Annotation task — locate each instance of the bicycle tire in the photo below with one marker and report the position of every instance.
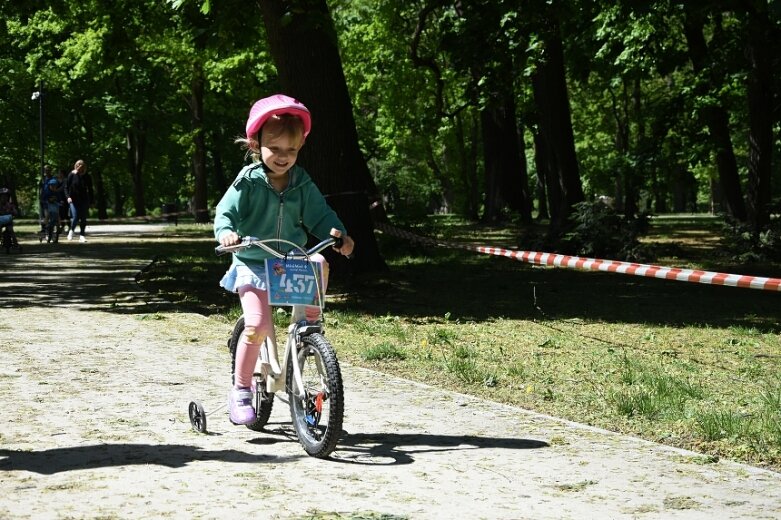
(317, 418)
(262, 401)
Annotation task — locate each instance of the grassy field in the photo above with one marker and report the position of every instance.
(690, 365)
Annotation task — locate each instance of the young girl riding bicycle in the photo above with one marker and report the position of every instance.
(271, 198)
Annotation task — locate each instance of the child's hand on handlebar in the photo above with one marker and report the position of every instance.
(229, 239)
(347, 246)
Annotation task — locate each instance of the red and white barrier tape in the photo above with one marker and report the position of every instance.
(597, 264)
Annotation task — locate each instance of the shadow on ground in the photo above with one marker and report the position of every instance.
(395, 448)
(470, 287)
(58, 460)
(101, 274)
(363, 449)
(465, 285)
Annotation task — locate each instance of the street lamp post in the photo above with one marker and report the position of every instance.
(39, 96)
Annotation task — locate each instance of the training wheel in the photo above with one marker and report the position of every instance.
(197, 416)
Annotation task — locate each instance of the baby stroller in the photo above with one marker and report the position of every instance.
(7, 212)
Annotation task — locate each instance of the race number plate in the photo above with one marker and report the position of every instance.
(293, 282)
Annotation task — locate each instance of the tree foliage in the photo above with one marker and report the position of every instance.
(666, 105)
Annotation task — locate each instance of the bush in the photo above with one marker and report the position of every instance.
(599, 231)
(747, 246)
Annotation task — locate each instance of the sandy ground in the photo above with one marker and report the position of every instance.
(95, 380)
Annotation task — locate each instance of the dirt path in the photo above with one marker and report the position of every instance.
(96, 376)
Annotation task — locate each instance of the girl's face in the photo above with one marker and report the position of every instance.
(279, 153)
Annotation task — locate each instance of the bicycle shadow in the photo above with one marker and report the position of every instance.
(58, 460)
(391, 449)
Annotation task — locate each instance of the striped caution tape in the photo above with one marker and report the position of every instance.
(597, 264)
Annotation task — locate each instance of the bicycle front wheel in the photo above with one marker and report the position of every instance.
(317, 417)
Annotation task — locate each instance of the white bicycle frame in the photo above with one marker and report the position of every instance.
(267, 365)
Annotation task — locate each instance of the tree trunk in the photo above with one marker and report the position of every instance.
(526, 201)
(471, 166)
(100, 194)
(136, 147)
(303, 45)
(200, 203)
(546, 168)
(760, 99)
(715, 117)
(505, 169)
(491, 131)
(119, 199)
(220, 182)
(100, 188)
(467, 165)
(636, 174)
(550, 96)
(542, 201)
(445, 202)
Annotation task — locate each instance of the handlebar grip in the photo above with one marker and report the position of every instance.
(224, 250)
(338, 241)
(337, 236)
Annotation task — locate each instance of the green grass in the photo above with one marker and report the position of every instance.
(690, 365)
(383, 352)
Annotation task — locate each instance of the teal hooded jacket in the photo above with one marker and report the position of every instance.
(251, 207)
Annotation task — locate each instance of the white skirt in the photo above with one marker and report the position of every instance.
(240, 275)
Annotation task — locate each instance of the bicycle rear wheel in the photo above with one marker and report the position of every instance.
(262, 401)
(317, 417)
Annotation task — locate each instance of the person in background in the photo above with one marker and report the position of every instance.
(42, 203)
(62, 202)
(51, 196)
(8, 211)
(78, 192)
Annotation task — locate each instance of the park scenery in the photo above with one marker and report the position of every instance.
(564, 299)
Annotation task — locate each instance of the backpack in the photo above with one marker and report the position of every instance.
(50, 190)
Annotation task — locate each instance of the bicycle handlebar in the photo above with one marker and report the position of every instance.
(334, 240)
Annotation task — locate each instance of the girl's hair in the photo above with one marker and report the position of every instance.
(78, 163)
(276, 126)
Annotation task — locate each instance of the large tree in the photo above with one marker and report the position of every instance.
(760, 45)
(713, 113)
(304, 46)
(551, 97)
(485, 47)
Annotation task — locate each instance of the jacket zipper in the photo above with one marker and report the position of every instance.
(281, 213)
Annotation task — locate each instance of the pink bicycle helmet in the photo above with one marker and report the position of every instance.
(276, 105)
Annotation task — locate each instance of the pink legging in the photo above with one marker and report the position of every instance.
(258, 324)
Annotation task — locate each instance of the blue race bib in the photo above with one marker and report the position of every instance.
(294, 282)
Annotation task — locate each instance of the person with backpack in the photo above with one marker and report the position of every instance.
(78, 191)
(42, 204)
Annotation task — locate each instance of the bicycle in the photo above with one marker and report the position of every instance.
(312, 378)
(8, 240)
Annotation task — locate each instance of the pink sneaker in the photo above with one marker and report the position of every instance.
(240, 406)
